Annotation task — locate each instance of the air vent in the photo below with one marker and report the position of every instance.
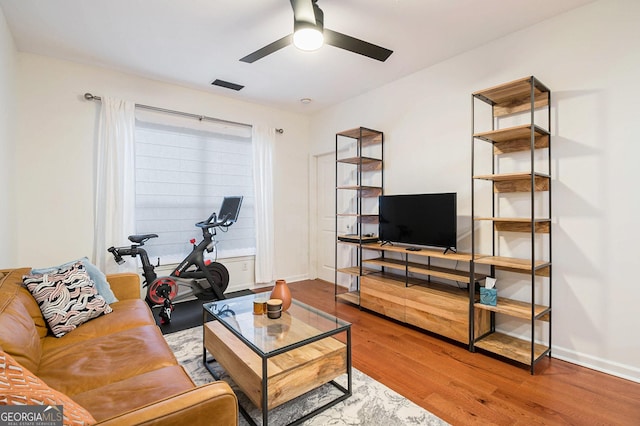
(227, 85)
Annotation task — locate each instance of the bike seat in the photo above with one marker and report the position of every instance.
(141, 238)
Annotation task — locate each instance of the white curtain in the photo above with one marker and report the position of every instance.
(115, 183)
(263, 143)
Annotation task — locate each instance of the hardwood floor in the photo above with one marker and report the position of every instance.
(472, 388)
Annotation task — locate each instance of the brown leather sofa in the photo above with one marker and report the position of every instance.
(117, 366)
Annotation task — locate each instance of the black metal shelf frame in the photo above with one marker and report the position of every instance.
(360, 135)
(534, 84)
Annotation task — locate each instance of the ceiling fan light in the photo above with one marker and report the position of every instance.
(308, 38)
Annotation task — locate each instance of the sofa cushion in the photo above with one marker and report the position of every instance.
(135, 392)
(18, 332)
(126, 314)
(93, 363)
(96, 275)
(125, 285)
(67, 298)
(19, 386)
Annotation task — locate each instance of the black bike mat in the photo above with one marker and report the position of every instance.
(188, 314)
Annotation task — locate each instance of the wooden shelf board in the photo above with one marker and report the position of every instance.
(364, 136)
(514, 219)
(352, 297)
(517, 182)
(358, 187)
(359, 160)
(514, 308)
(359, 132)
(424, 252)
(512, 133)
(514, 96)
(544, 271)
(352, 270)
(419, 268)
(353, 239)
(514, 264)
(511, 347)
(445, 273)
(513, 224)
(511, 176)
(515, 139)
(365, 191)
(362, 218)
(355, 270)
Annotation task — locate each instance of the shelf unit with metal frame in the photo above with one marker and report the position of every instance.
(359, 183)
(425, 288)
(520, 146)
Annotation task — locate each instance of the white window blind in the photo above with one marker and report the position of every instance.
(182, 176)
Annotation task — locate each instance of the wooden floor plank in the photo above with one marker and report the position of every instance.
(465, 388)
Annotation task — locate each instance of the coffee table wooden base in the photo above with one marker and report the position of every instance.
(287, 375)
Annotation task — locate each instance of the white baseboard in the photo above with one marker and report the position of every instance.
(623, 371)
(290, 279)
(296, 278)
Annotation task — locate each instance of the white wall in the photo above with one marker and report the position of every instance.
(590, 59)
(56, 132)
(7, 145)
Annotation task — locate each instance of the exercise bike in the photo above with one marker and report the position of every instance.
(207, 280)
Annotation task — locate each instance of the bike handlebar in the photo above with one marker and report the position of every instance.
(213, 216)
(206, 224)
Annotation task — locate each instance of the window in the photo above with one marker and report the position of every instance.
(182, 176)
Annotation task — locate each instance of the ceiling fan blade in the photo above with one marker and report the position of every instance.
(356, 45)
(268, 49)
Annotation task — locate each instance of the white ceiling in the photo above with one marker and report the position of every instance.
(193, 42)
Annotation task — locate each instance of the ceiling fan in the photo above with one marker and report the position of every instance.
(308, 27)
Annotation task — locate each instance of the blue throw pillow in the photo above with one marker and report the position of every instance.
(96, 275)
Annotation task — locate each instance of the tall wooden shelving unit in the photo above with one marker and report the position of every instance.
(359, 183)
(526, 148)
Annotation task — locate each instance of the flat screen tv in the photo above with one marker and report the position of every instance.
(419, 219)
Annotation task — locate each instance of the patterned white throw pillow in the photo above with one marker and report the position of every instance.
(67, 298)
(96, 275)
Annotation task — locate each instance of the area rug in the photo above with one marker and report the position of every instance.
(371, 403)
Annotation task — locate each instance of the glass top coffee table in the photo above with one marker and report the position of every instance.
(276, 360)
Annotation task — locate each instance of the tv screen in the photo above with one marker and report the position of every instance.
(420, 219)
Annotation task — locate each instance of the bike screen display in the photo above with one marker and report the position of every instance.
(230, 208)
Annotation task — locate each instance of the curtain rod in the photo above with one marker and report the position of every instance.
(88, 96)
